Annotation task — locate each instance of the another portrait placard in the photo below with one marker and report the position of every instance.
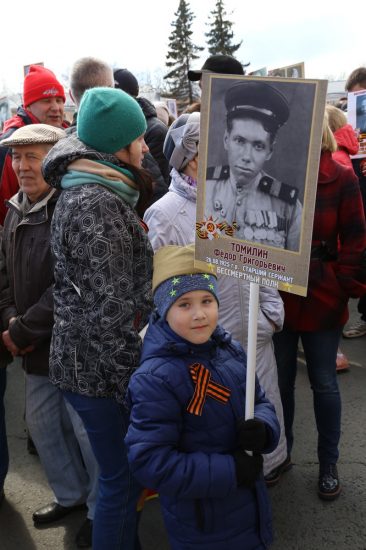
(27, 67)
(290, 71)
(259, 155)
(356, 115)
(259, 72)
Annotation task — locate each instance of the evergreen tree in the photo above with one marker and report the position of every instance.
(181, 52)
(220, 35)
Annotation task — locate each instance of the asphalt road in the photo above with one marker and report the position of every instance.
(301, 520)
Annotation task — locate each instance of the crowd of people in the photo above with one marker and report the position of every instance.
(134, 357)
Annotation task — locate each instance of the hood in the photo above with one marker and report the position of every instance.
(181, 187)
(21, 118)
(328, 168)
(346, 139)
(67, 151)
(161, 341)
(147, 107)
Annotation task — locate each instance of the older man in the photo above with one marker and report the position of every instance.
(26, 308)
(43, 102)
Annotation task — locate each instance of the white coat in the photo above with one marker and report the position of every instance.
(171, 220)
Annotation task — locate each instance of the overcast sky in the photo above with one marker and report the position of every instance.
(135, 34)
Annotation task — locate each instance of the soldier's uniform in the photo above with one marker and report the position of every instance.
(265, 211)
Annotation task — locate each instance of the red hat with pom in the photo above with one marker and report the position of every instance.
(41, 83)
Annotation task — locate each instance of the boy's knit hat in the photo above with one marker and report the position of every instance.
(109, 119)
(182, 139)
(41, 83)
(175, 274)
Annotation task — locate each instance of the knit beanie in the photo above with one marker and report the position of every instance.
(175, 274)
(41, 83)
(182, 139)
(126, 81)
(109, 119)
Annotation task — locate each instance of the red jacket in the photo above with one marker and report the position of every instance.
(339, 222)
(347, 145)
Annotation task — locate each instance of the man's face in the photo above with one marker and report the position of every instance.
(248, 147)
(27, 162)
(48, 111)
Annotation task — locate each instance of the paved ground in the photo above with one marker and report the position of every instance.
(301, 520)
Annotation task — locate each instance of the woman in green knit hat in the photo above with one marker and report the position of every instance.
(102, 289)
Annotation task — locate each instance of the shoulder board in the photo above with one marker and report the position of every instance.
(281, 191)
(218, 173)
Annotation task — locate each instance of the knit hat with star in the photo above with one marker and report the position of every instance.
(175, 274)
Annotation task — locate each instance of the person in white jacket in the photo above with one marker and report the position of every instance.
(171, 221)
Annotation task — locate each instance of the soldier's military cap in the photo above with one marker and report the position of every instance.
(259, 99)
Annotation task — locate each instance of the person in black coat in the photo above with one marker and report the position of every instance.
(156, 129)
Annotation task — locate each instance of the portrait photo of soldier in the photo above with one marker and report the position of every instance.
(361, 113)
(250, 194)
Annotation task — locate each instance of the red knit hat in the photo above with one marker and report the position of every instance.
(41, 83)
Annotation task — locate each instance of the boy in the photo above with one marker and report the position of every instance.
(187, 437)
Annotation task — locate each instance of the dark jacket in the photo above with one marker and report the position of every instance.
(155, 136)
(5, 356)
(102, 290)
(29, 268)
(338, 244)
(188, 458)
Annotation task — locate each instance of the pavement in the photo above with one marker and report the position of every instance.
(301, 521)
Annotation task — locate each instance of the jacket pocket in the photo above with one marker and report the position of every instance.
(197, 513)
(324, 287)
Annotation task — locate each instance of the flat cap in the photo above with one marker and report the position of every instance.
(33, 134)
(223, 64)
(258, 99)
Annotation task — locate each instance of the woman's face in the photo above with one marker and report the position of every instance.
(134, 152)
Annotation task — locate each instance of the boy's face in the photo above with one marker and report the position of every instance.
(194, 316)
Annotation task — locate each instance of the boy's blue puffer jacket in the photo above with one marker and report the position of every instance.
(187, 458)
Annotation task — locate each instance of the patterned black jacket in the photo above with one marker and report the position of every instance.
(102, 293)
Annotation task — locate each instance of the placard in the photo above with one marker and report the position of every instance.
(260, 145)
(356, 115)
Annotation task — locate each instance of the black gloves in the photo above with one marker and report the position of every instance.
(252, 435)
(247, 468)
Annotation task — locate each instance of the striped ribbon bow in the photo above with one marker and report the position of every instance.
(201, 376)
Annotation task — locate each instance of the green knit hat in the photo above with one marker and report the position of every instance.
(109, 119)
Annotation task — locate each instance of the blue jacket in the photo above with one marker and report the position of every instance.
(188, 458)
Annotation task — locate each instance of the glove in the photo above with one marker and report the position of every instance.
(247, 468)
(252, 435)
